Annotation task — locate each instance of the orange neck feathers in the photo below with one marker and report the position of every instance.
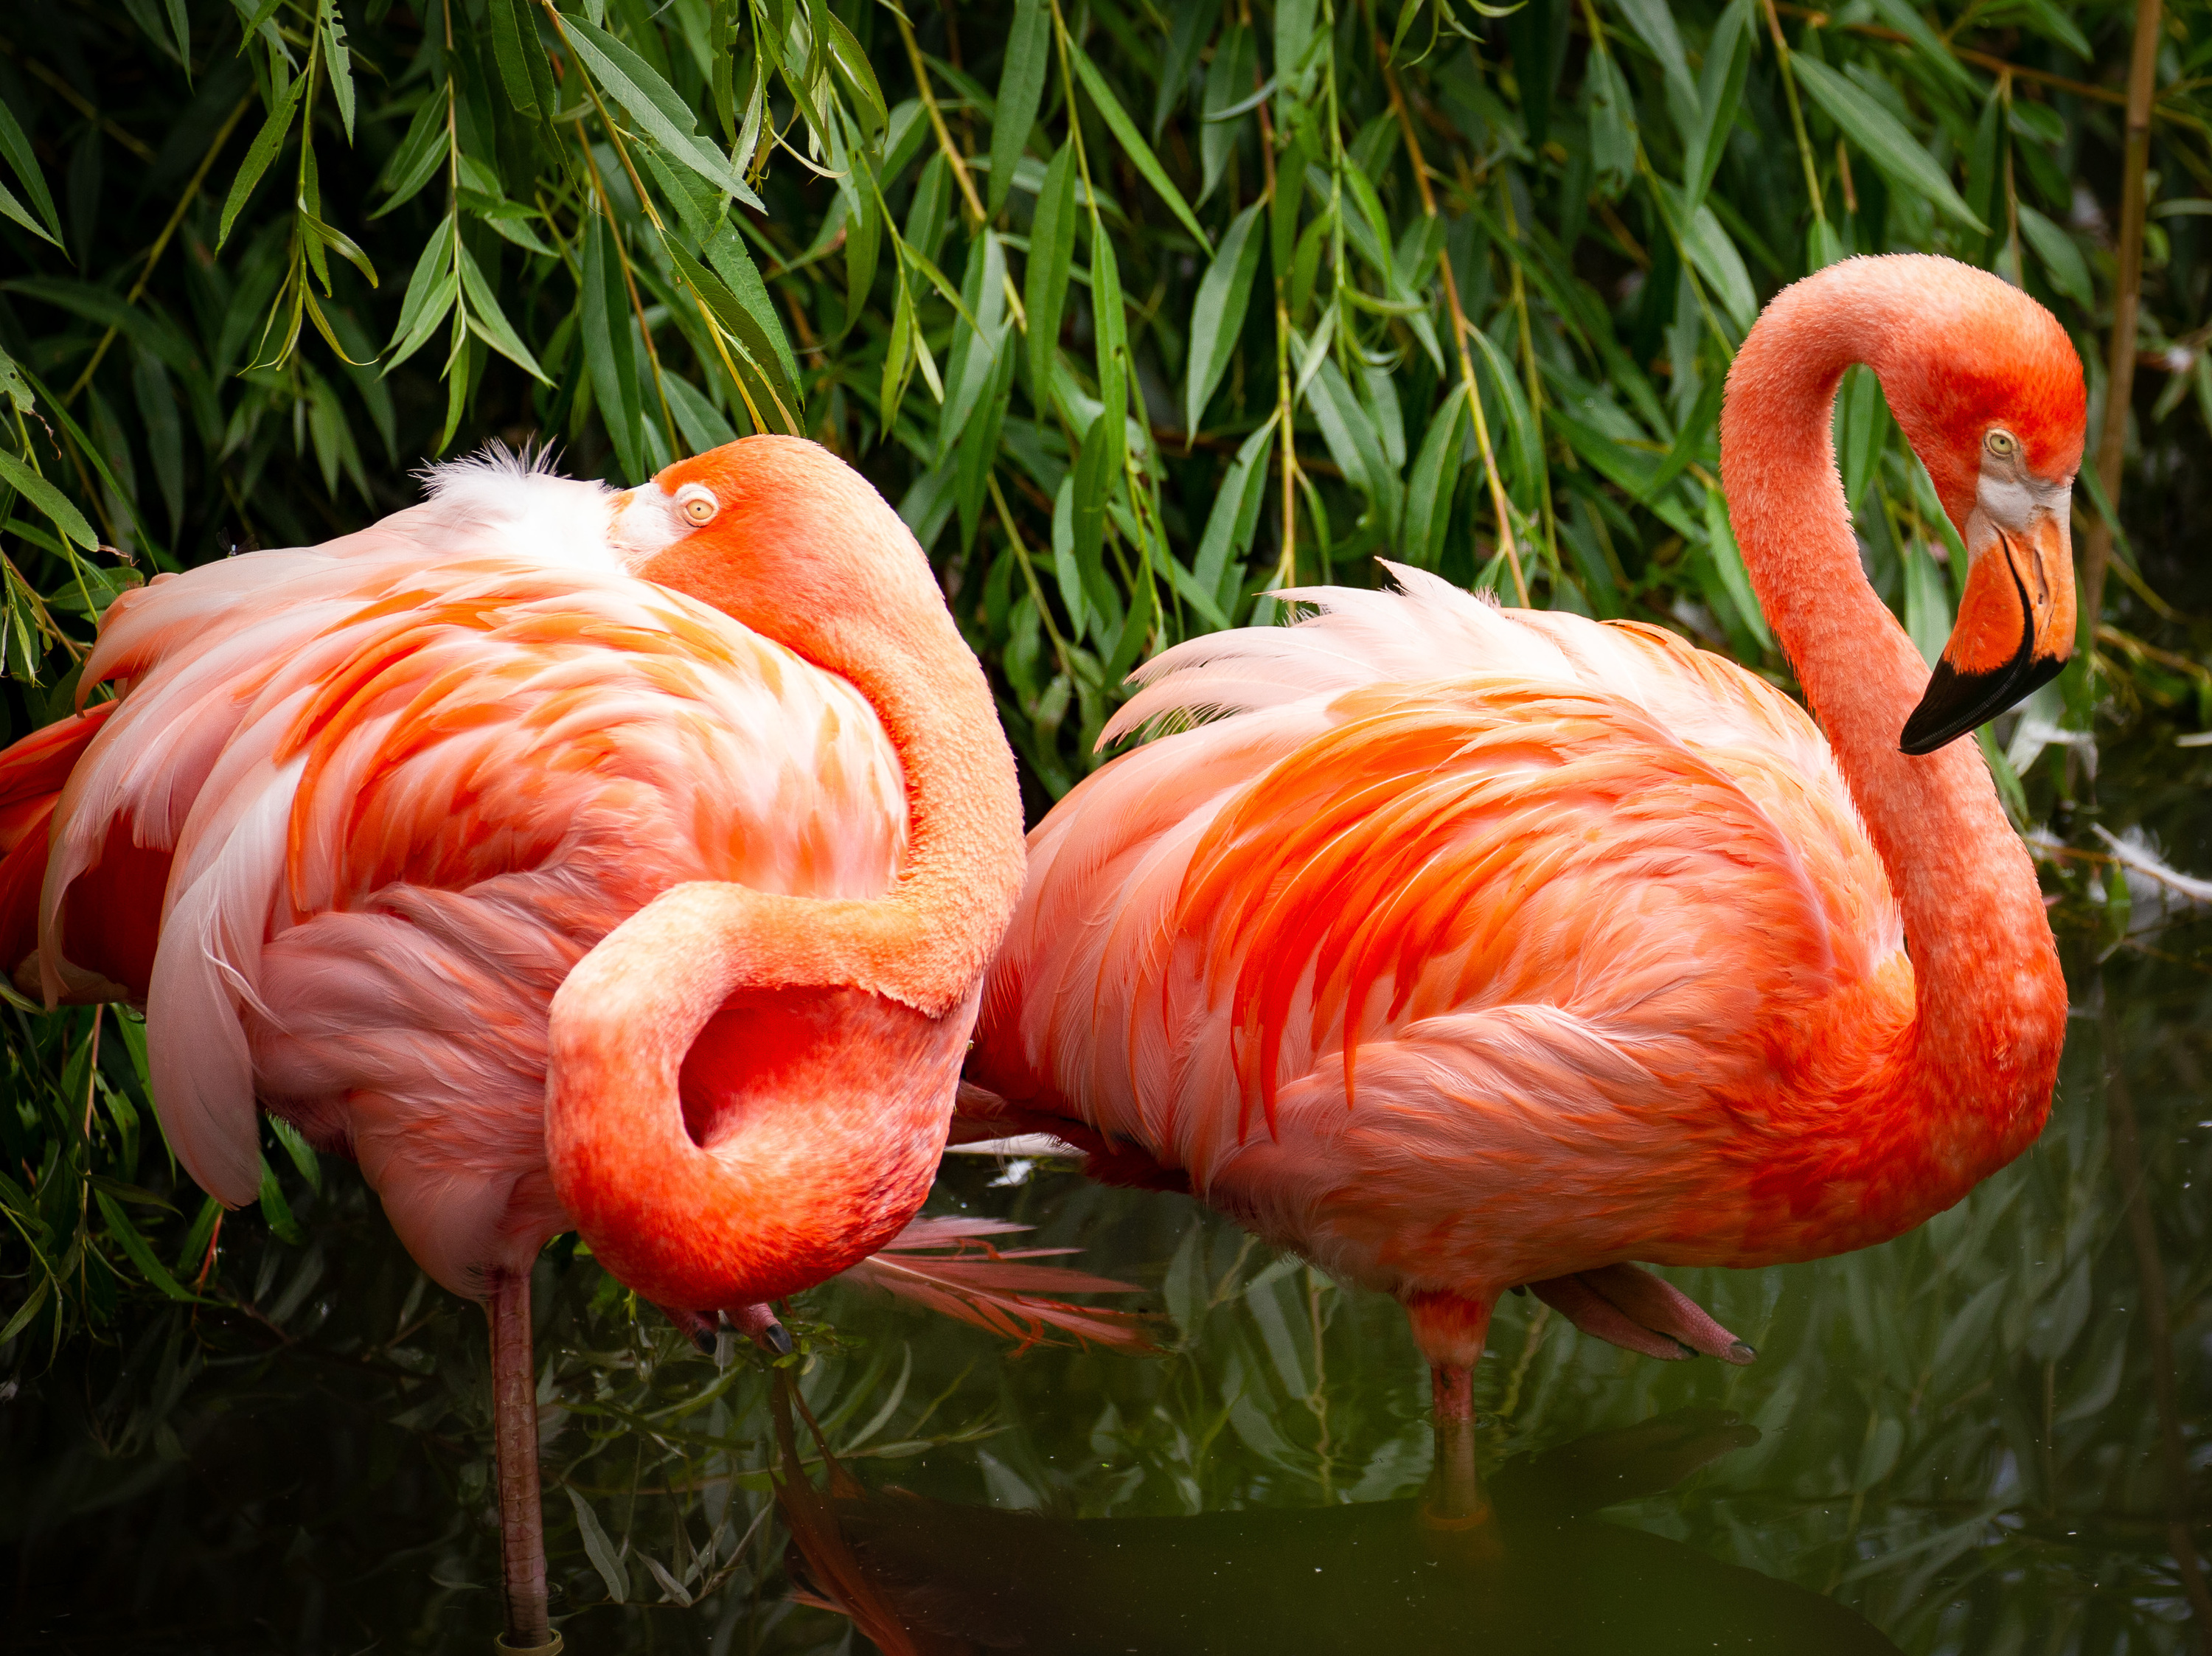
(1976, 1075)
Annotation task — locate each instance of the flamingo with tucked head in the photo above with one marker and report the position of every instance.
(1462, 949)
(622, 862)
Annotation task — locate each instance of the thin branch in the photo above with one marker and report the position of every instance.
(2127, 293)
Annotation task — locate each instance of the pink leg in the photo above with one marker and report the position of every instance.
(514, 1436)
(1449, 1330)
(1630, 1307)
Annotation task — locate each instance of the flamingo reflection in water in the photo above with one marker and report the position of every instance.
(1538, 1571)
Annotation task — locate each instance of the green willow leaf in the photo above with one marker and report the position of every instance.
(17, 148)
(1021, 85)
(1430, 487)
(1720, 94)
(652, 104)
(1132, 143)
(1883, 138)
(607, 352)
(1228, 80)
(48, 499)
(509, 48)
(1052, 250)
(2068, 270)
(266, 143)
(1216, 316)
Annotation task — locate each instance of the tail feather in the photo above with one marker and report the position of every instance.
(944, 1266)
(32, 775)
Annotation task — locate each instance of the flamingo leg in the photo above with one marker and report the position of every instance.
(514, 1437)
(1449, 1329)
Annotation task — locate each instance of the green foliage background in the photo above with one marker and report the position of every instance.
(1136, 311)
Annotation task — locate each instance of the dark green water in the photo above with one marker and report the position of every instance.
(1983, 1437)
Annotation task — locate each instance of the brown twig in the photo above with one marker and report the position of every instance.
(2127, 288)
(952, 152)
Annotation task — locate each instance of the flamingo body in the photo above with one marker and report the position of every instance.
(1526, 943)
(1466, 947)
(387, 792)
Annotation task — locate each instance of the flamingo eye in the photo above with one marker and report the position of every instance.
(698, 507)
(2002, 444)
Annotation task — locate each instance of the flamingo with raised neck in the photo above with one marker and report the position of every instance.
(1466, 949)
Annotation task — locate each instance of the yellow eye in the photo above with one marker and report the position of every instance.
(2003, 444)
(700, 510)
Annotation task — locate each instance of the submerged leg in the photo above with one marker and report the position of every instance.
(1449, 1330)
(514, 1437)
(1634, 1309)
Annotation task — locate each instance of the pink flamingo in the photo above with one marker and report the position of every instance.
(1473, 948)
(622, 862)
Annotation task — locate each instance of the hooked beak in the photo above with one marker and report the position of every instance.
(2014, 635)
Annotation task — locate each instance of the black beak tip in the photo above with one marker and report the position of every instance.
(1956, 702)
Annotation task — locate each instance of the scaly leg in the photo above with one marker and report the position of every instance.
(514, 1437)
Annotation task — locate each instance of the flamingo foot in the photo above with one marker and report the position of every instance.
(1631, 1308)
(758, 1324)
(514, 1441)
(696, 1326)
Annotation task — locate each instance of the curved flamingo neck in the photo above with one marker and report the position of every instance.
(815, 1042)
(1991, 999)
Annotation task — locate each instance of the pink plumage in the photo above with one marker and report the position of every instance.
(407, 780)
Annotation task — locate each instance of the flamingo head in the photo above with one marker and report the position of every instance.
(779, 534)
(1989, 391)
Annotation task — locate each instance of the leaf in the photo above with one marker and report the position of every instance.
(652, 104)
(48, 499)
(17, 148)
(266, 143)
(120, 1227)
(1906, 19)
(2061, 258)
(605, 1559)
(1134, 145)
(1715, 257)
(1021, 85)
(1728, 563)
(1217, 316)
(1435, 476)
(1229, 81)
(851, 63)
(1612, 125)
(417, 158)
(508, 47)
(487, 321)
(337, 62)
(165, 432)
(1883, 138)
(275, 1210)
(1720, 90)
(608, 354)
(1051, 249)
